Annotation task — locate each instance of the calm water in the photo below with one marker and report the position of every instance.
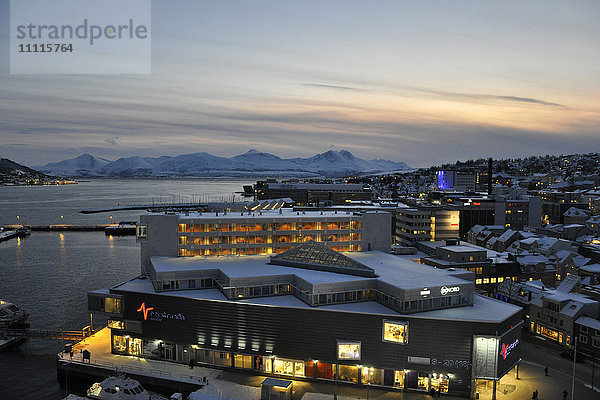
(49, 273)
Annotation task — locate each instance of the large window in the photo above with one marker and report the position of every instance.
(394, 331)
(348, 350)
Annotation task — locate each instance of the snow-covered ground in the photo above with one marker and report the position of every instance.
(222, 390)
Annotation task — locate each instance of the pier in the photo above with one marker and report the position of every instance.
(159, 376)
(61, 227)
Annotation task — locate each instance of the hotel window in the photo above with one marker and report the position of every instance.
(583, 329)
(348, 350)
(183, 240)
(478, 281)
(595, 342)
(394, 331)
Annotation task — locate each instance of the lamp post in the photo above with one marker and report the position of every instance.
(18, 220)
(62, 219)
(574, 362)
(111, 220)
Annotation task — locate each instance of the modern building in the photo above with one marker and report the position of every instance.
(311, 313)
(460, 181)
(313, 193)
(426, 223)
(265, 232)
(550, 312)
(489, 267)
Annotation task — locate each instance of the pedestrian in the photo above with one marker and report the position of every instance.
(191, 363)
(565, 394)
(533, 395)
(536, 394)
(546, 370)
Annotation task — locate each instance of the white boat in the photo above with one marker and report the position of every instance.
(12, 316)
(121, 388)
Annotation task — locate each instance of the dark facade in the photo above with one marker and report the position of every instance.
(307, 335)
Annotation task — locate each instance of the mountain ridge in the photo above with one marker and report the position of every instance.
(202, 164)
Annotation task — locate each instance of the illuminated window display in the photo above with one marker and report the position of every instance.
(289, 367)
(399, 379)
(371, 376)
(394, 331)
(348, 350)
(348, 373)
(440, 383)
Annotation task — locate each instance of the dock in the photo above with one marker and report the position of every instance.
(159, 376)
(62, 227)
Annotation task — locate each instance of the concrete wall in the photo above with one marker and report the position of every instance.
(161, 239)
(376, 231)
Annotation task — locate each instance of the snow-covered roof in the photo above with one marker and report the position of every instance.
(576, 212)
(589, 322)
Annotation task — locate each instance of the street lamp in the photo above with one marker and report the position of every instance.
(18, 220)
(111, 220)
(61, 219)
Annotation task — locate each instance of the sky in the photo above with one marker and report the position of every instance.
(424, 82)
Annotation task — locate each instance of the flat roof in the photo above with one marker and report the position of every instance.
(285, 213)
(395, 270)
(460, 249)
(484, 309)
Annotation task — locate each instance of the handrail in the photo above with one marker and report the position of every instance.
(133, 369)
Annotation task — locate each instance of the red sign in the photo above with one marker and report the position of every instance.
(145, 310)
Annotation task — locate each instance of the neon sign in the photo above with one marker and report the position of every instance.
(452, 289)
(507, 348)
(159, 315)
(145, 310)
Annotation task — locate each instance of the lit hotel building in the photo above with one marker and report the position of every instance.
(259, 233)
(312, 313)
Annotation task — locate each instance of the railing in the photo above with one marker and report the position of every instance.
(78, 359)
(48, 334)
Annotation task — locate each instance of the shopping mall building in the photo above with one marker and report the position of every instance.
(313, 313)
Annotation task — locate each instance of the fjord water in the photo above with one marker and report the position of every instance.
(49, 273)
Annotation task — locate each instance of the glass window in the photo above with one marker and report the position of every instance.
(399, 379)
(141, 231)
(284, 367)
(223, 358)
(243, 361)
(119, 344)
(112, 305)
(116, 324)
(348, 373)
(135, 347)
(395, 331)
(348, 350)
(298, 368)
(371, 375)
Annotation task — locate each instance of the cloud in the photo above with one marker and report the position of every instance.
(111, 140)
(335, 87)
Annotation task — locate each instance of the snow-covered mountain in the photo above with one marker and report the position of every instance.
(84, 165)
(252, 163)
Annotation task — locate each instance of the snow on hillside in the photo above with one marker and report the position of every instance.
(251, 163)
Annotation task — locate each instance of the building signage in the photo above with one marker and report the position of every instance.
(452, 289)
(158, 316)
(425, 292)
(507, 348)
